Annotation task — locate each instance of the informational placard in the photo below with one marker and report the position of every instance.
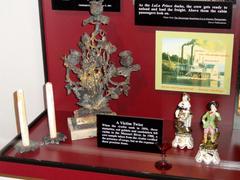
(83, 5)
(129, 133)
(183, 13)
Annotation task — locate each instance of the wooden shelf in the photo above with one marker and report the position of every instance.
(85, 155)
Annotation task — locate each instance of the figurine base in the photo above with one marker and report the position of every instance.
(60, 138)
(82, 127)
(24, 149)
(207, 156)
(182, 141)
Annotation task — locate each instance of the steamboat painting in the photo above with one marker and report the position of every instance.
(193, 62)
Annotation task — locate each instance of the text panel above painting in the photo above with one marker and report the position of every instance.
(183, 13)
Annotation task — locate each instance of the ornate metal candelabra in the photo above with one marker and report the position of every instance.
(95, 72)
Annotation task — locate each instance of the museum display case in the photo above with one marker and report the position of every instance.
(61, 31)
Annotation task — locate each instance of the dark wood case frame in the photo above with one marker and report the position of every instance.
(146, 60)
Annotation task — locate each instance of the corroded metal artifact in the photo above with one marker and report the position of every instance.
(95, 84)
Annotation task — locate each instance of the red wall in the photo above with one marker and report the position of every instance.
(63, 30)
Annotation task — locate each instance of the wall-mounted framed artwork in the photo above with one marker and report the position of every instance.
(193, 62)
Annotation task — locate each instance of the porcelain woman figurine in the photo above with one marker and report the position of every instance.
(183, 137)
(208, 152)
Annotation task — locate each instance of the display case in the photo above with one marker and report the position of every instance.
(61, 31)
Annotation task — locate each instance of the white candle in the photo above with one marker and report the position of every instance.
(239, 103)
(22, 118)
(51, 110)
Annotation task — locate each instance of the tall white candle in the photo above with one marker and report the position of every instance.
(22, 118)
(51, 110)
(239, 103)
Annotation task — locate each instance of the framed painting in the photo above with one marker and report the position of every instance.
(193, 62)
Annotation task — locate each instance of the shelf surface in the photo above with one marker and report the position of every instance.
(84, 154)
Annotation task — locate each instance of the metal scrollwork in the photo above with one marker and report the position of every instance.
(97, 81)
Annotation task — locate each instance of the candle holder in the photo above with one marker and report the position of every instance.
(163, 164)
(59, 138)
(92, 77)
(24, 149)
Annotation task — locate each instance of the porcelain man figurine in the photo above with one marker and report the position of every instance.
(208, 152)
(183, 137)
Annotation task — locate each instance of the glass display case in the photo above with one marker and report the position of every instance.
(61, 31)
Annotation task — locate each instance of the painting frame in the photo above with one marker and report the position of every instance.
(193, 62)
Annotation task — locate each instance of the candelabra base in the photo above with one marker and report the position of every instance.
(48, 140)
(24, 149)
(83, 127)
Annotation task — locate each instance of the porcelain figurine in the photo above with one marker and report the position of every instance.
(208, 152)
(183, 137)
